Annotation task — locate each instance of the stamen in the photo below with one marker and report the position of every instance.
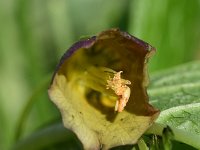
(119, 86)
(96, 79)
(99, 79)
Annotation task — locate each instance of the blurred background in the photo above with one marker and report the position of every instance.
(35, 33)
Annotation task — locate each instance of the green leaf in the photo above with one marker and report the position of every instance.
(185, 117)
(183, 74)
(175, 87)
(160, 22)
(176, 93)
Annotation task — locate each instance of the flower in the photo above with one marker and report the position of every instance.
(100, 86)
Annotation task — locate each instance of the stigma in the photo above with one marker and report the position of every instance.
(119, 86)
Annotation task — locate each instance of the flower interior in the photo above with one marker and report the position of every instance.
(96, 79)
(88, 71)
(100, 89)
(90, 76)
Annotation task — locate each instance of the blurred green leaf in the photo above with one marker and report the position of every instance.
(171, 26)
(185, 117)
(52, 137)
(22, 120)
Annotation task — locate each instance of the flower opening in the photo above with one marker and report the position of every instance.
(88, 85)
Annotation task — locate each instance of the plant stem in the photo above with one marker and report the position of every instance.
(179, 135)
(142, 145)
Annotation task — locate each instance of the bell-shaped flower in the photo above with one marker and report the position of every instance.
(100, 86)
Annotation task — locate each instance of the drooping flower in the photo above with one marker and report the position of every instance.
(100, 86)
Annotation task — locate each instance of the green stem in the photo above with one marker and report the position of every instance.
(179, 135)
(142, 145)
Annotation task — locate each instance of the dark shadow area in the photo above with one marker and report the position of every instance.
(94, 98)
(53, 137)
(124, 147)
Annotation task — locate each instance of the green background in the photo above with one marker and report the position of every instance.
(35, 33)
